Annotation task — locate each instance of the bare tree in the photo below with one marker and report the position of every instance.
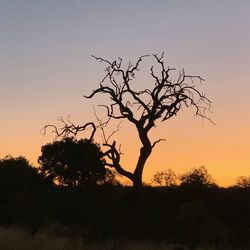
(69, 128)
(243, 182)
(166, 178)
(143, 108)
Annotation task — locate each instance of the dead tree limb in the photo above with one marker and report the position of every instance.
(141, 108)
(144, 108)
(69, 129)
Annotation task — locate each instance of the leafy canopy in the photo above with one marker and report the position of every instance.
(71, 162)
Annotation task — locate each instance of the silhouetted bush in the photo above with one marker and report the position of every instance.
(73, 163)
(17, 174)
(166, 178)
(243, 182)
(197, 178)
(202, 216)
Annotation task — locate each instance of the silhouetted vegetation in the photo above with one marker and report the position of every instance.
(73, 163)
(167, 178)
(243, 182)
(16, 174)
(197, 178)
(143, 108)
(192, 212)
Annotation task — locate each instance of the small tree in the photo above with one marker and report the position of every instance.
(197, 177)
(166, 178)
(243, 182)
(142, 108)
(17, 174)
(72, 162)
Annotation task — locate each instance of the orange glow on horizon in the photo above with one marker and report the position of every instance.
(189, 143)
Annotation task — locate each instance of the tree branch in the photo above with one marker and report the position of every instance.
(69, 129)
(159, 140)
(114, 155)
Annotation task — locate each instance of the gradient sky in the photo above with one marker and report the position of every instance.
(46, 67)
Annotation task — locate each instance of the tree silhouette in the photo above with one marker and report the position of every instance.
(166, 178)
(72, 162)
(243, 182)
(197, 177)
(17, 174)
(142, 108)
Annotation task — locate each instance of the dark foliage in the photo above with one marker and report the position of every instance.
(143, 109)
(166, 178)
(197, 178)
(73, 163)
(211, 217)
(243, 182)
(17, 174)
(203, 216)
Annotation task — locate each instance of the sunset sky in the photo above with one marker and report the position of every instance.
(46, 67)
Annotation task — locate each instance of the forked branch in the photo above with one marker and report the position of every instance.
(141, 108)
(69, 129)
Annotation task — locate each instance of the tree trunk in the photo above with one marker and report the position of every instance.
(137, 176)
(137, 182)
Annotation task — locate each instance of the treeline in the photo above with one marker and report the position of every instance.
(190, 210)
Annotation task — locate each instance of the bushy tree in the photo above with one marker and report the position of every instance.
(197, 177)
(243, 182)
(16, 174)
(73, 163)
(166, 178)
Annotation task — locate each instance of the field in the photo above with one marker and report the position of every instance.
(36, 214)
(57, 237)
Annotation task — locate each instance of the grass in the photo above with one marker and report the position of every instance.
(57, 238)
